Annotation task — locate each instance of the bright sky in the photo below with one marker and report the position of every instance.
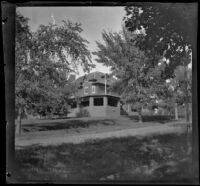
(93, 19)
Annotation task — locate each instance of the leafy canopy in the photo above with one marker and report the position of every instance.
(136, 72)
(44, 60)
(167, 28)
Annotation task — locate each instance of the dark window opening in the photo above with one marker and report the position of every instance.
(74, 105)
(133, 110)
(86, 90)
(112, 102)
(85, 102)
(98, 101)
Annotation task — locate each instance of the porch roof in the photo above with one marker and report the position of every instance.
(100, 95)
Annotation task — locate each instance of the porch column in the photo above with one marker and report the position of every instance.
(128, 109)
(91, 100)
(105, 101)
(118, 104)
(78, 107)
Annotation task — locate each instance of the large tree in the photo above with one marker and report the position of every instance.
(167, 26)
(137, 73)
(44, 60)
(177, 86)
(167, 29)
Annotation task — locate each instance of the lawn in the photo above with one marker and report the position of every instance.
(47, 125)
(85, 123)
(161, 158)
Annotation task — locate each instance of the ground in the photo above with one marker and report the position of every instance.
(105, 149)
(45, 132)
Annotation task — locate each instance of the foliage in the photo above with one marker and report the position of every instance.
(178, 89)
(182, 83)
(139, 79)
(82, 113)
(166, 29)
(44, 59)
(146, 55)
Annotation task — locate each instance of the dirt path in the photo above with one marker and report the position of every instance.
(78, 138)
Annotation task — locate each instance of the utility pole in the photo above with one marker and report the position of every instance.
(105, 85)
(186, 90)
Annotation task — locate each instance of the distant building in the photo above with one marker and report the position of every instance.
(95, 96)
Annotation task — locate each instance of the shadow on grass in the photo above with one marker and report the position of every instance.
(68, 125)
(129, 159)
(155, 118)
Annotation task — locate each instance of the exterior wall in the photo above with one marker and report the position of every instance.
(94, 111)
(112, 111)
(97, 111)
(73, 112)
(103, 111)
(87, 84)
(99, 89)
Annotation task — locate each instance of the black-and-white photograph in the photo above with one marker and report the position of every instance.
(104, 93)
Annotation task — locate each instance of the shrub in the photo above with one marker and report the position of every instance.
(148, 118)
(82, 113)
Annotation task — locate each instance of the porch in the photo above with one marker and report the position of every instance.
(98, 105)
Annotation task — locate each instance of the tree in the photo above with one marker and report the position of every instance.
(181, 83)
(22, 46)
(44, 59)
(136, 72)
(167, 26)
(166, 30)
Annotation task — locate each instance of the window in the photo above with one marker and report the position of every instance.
(85, 102)
(112, 102)
(93, 89)
(133, 110)
(98, 101)
(74, 105)
(86, 90)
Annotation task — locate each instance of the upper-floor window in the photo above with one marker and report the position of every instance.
(86, 91)
(93, 89)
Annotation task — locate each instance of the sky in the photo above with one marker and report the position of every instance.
(93, 20)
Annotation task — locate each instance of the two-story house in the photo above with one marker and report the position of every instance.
(94, 95)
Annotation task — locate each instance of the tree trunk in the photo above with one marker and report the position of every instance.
(190, 111)
(176, 111)
(187, 112)
(19, 120)
(186, 95)
(140, 116)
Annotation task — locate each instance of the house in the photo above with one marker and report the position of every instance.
(94, 95)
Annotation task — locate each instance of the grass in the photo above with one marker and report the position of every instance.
(157, 158)
(66, 124)
(150, 118)
(59, 124)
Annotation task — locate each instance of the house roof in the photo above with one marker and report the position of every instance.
(95, 78)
